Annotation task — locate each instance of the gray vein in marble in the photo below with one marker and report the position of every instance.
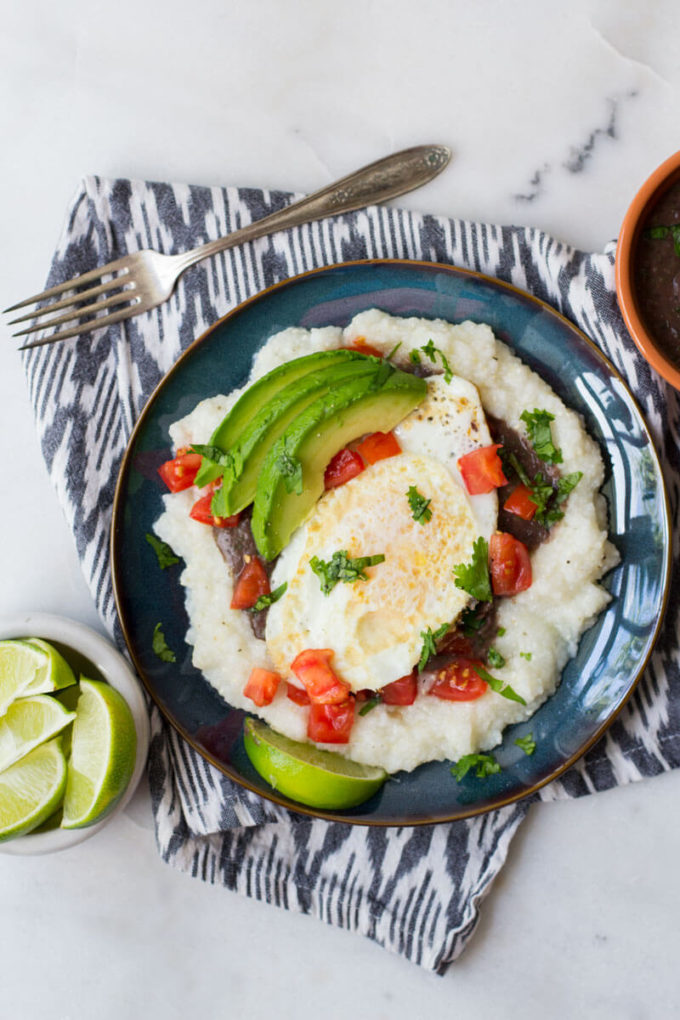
(579, 155)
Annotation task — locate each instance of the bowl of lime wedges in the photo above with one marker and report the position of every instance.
(74, 733)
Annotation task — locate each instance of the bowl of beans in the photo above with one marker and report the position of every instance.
(648, 269)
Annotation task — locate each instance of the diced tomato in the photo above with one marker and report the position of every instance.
(482, 470)
(362, 347)
(459, 682)
(378, 446)
(202, 513)
(402, 691)
(510, 564)
(519, 502)
(261, 686)
(297, 694)
(250, 584)
(331, 724)
(345, 465)
(180, 472)
(313, 668)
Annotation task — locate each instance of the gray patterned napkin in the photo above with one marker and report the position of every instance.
(415, 891)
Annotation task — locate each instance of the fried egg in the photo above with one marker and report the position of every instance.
(375, 626)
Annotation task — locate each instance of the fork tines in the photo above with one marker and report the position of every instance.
(80, 301)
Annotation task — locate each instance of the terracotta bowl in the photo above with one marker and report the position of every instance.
(663, 177)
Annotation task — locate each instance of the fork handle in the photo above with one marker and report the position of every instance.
(378, 182)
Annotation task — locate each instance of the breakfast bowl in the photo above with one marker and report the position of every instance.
(648, 269)
(93, 656)
(611, 655)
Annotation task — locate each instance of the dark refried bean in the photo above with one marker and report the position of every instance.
(656, 274)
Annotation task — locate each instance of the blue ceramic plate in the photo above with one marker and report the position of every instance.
(611, 656)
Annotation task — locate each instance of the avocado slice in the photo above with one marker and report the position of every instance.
(292, 476)
(261, 392)
(271, 421)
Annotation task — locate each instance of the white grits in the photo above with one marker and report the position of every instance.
(545, 622)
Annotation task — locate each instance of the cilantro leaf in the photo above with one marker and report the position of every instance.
(500, 632)
(388, 357)
(265, 601)
(291, 469)
(420, 507)
(495, 659)
(369, 705)
(541, 494)
(483, 764)
(414, 357)
(473, 577)
(661, 231)
(431, 351)
(498, 686)
(567, 484)
(470, 622)
(525, 655)
(164, 553)
(527, 744)
(160, 647)
(430, 639)
(341, 567)
(540, 436)
(214, 464)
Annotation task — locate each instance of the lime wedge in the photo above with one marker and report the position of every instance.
(20, 665)
(56, 672)
(103, 753)
(320, 779)
(29, 722)
(31, 790)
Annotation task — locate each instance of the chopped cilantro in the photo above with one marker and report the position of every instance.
(566, 484)
(164, 553)
(388, 357)
(214, 464)
(527, 744)
(369, 705)
(500, 632)
(291, 469)
(498, 686)
(657, 232)
(430, 639)
(525, 655)
(266, 600)
(160, 647)
(420, 507)
(431, 351)
(540, 436)
(342, 568)
(414, 357)
(483, 764)
(495, 659)
(473, 577)
(471, 622)
(540, 495)
(546, 498)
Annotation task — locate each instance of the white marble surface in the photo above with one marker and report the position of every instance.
(556, 112)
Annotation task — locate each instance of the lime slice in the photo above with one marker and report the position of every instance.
(20, 665)
(320, 779)
(29, 722)
(31, 790)
(56, 672)
(103, 753)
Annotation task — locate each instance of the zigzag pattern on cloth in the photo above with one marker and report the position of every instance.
(414, 891)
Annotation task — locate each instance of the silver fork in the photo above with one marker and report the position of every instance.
(138, 282)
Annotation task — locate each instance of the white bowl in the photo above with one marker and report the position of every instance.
(114, 669)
